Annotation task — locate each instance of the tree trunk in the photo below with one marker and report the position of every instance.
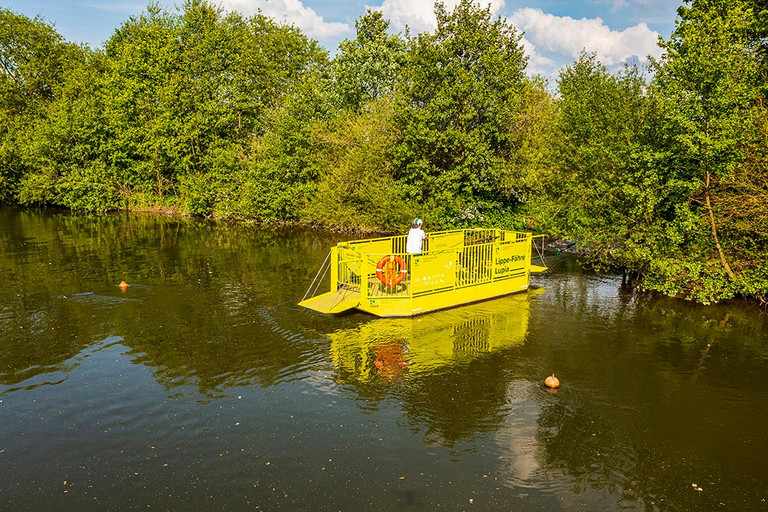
(714, 231)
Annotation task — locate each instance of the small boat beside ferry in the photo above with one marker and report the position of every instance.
(455, 267)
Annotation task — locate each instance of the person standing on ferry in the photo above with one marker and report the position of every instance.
(415, 237)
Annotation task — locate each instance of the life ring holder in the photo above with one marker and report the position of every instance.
(388, 277)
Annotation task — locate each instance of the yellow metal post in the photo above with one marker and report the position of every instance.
(334, 268)
(364, 271)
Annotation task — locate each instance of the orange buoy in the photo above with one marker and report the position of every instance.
(552, 382)
(123, 285)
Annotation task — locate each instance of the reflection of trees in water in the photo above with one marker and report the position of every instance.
(201, 341)
(659, 394)
(457, 403)
(602, 301)
(38, 334)
(579, 440)
(67, 253)
(199, 286)
(652, 466)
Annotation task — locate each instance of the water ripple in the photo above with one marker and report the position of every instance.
(35, 376)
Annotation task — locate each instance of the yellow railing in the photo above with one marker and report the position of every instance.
(450, 260)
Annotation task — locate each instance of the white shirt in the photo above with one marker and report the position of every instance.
(413, 244)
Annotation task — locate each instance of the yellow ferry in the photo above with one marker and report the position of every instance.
(455, 267)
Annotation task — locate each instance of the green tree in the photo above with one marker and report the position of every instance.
(34, 60)
(759, 37)
(281, 169)
(186, 94)
(271, 59)
(71, 161)
(710, 79)
(368, 67)
(533, 135)
(356, 185)
(460, 88)
(140, 91)
(608, 197)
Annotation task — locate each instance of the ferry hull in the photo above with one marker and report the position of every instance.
(409, 306)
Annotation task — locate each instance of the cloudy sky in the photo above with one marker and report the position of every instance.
(555, 30)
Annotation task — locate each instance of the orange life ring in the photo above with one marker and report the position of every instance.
(391, 270)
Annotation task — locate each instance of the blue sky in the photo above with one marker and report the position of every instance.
(555, 30)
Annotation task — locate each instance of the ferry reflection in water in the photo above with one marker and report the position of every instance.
(390, 348)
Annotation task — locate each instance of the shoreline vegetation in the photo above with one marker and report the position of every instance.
(660, 171)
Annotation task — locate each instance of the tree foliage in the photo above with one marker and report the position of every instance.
(368, 67)
(460, 90)
(709, 82)
(357, 189)
(34, 60)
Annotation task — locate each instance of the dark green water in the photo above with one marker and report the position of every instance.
(189, 391)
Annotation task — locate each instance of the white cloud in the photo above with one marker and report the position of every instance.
(537, 64)
(291, 11)
(566, 37)
(419, 15)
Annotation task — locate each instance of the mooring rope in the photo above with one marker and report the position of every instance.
(316, 280)
(540, 252)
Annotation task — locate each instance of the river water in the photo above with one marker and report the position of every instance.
(203, 386)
